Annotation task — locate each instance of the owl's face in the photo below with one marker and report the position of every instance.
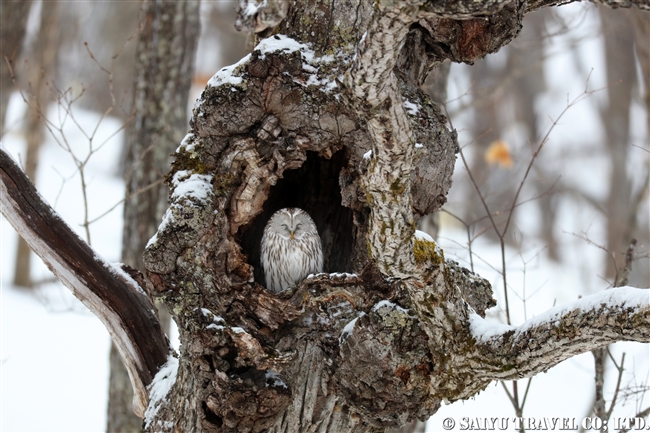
(291, 224)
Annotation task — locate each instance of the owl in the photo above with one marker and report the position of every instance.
(291, 249)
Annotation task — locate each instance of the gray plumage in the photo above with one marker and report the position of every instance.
(291, 249)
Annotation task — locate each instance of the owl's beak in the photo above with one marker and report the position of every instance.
(292, 233)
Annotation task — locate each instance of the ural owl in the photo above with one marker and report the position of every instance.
(291, 249)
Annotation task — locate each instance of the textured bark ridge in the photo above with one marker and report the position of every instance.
(327, 115)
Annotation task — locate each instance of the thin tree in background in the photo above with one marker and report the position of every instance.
(41, 68)
(164, 69)
(620, 63)
(13, 23)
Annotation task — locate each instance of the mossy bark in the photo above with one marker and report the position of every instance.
(327, 114)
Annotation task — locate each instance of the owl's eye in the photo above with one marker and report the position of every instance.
(298, 226)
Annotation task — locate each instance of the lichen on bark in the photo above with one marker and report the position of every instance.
(333, 122)
(291, 108)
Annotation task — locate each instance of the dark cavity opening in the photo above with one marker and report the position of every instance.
(210, 416)
(314, 187)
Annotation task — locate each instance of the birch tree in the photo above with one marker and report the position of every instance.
(325, 114)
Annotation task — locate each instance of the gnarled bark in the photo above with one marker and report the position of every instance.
(388, 332)
(333, 121)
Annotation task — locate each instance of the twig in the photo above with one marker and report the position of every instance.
(620, 369)
(133, 194)
(65, 101)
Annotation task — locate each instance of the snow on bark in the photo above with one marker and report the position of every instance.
(629, 300)
(159, 388)
(391, 329)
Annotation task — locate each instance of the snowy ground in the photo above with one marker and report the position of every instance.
(55, 353)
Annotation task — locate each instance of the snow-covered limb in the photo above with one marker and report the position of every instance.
(108, 292)
(512, 352)
(641, 4)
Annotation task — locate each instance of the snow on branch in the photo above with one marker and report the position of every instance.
(614, 4)
(513, 352)
(110, 293)
(468, 8)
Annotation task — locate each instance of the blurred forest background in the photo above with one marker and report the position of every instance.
(550, 191)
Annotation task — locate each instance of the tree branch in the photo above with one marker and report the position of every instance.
(614, 4)
(508, 352)
(387, 184)
(109, 292)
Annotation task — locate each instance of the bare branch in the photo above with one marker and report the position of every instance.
(562, 332)
(620, 369)
(109, 292)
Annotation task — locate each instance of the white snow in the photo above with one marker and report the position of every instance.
(215, 326)
(347, 329)
(484, 330)
(620, 296)
(368, 154)
(209, 314)
(388, 304)
(341, 274)
(309, 68)
(251, 7)
(167, 218)
(423, 236)
(411, 108)
(186, 185)
(225, 75)
(219, 321)
(284, 43)
(419, 145)
(274, 379)
(624, 297)
(116, 268)
(196, 186)
(159, 388)
(185, 143)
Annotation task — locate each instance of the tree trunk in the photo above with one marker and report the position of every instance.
(43, 65)
(621, 75)
(327, 114)
(13, 20)
(164, 68)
